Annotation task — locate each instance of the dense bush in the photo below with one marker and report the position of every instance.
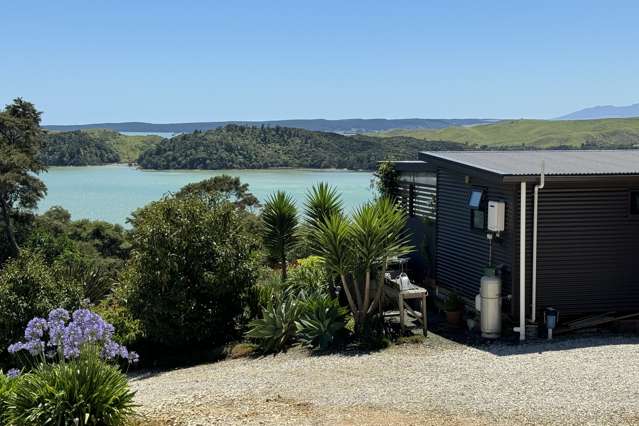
(190, 272)
(240, 147)
(76, 148)
(83, 391)
(29, 288)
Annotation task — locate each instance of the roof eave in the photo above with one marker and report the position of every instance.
(569, 178)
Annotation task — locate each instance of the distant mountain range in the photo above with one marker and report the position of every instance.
(356, 125)
(603, 111)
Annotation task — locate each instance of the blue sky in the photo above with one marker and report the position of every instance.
(95, 61)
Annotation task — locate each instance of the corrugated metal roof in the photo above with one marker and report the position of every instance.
(557, 163)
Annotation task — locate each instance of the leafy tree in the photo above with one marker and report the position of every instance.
(190, 271)
(358, 249)
(280, 227)
(387, 180)
(20, 188)
(223, 187)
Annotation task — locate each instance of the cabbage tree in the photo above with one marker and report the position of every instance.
(280, 221)
(358, 250)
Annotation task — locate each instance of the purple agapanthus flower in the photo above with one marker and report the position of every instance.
(66, 334)
(13, 373)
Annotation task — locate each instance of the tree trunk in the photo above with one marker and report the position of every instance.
(367, 290)
(8, 227)
(349, 296)
(283, 264)
(377, 301)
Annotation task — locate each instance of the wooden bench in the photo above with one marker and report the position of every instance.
(404, 291)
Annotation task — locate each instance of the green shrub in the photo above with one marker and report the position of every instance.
(270, 288)
(276, 330)
(86, 391)
(127, 329)
(309, 275)
(191, 270)
(29, 288)
(322, 320)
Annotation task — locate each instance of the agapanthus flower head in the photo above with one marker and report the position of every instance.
(58, 315)
(13, 373)
(36, 328)
(66, 334)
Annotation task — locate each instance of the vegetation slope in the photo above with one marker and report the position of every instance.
(605, 133)
(93, 147)
(234, 146)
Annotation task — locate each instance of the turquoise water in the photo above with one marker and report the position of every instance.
(112, 192)
(163, 134)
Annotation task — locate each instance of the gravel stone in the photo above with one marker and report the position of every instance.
(587, 380)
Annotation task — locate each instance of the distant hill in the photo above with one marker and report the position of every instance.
(93, 147)
(603, 111)
(357, 125)
(239, 147)
(607, 133)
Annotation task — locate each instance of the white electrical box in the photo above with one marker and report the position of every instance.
(496, 216)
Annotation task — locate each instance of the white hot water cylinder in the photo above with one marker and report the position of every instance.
(490, 305)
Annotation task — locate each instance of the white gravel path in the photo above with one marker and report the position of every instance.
(576, 381)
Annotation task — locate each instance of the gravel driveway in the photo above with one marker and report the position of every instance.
(574, 381)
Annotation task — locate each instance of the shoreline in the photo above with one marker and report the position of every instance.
(210, 170)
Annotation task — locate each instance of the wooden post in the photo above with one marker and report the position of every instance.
(401, 312)
(424, 318)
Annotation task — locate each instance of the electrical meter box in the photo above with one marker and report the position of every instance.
(496, 216)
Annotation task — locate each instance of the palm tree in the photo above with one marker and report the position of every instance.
(280, 227)
(359, 249)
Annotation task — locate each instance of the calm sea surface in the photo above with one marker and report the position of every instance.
(112, 192)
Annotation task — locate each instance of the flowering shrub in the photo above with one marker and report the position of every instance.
(63, 335)
(30, 288)
(82, 391)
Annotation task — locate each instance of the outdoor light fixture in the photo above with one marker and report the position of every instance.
(552, 317)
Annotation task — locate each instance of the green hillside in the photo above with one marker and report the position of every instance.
(238, 147)
(93, 147)
(606, 133)
(128, 147)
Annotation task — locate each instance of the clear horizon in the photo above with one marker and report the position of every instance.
(162, 62)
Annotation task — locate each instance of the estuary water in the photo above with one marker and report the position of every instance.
(112, 192)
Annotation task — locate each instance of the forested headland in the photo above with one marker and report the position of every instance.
(240, 147)
(93, 147)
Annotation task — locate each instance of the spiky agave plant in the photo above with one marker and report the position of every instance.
(276, 329)
(280, 227)
(321, 321)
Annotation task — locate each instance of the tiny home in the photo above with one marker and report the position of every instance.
(565, 233)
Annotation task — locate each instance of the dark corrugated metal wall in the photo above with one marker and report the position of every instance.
(462, 253)
(588, 256)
